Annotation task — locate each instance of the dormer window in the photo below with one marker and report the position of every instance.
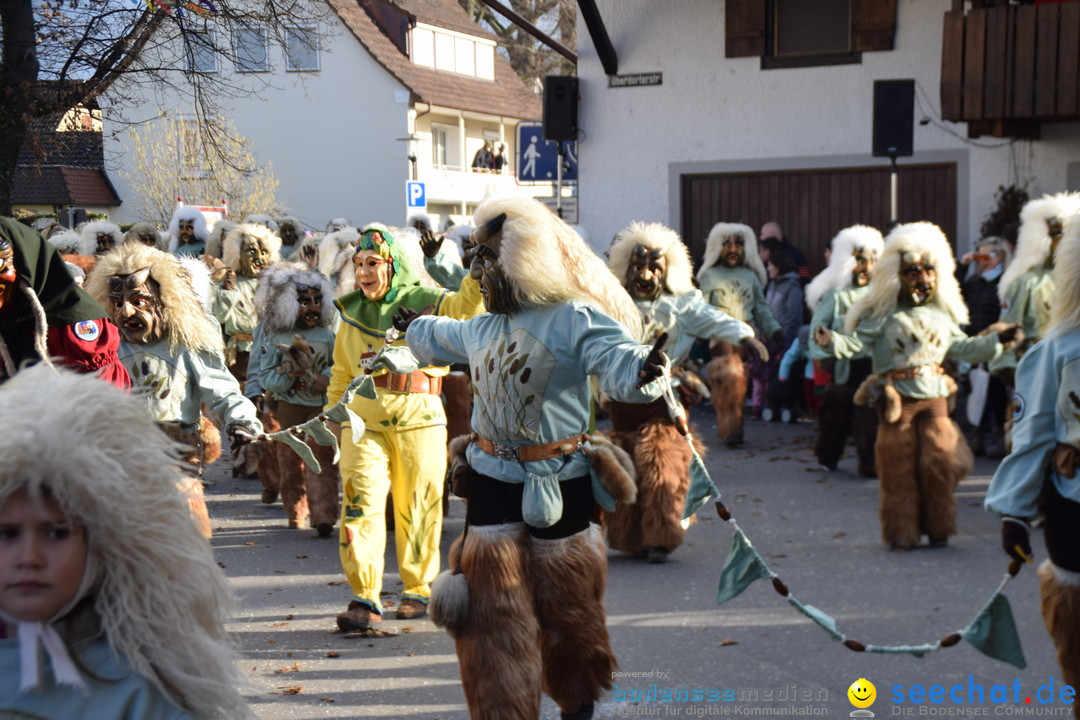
(450, 51)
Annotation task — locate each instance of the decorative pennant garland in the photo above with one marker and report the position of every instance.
(200, 7)
(992, 631)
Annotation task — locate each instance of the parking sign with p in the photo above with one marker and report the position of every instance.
(415, 195)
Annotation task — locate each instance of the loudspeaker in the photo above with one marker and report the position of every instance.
(560, 107)
(894, 115)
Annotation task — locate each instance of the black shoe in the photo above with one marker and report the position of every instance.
(733, 440)
(582, 713)
(324, 529)
(658, 555)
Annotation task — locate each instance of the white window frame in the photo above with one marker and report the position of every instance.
(207, 47)
(441, 140)
(241, 64)
(313, 34)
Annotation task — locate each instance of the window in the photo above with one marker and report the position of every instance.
(439, 153)
(251, 53)
(801, 28)
(201, 57)
(192, 158)
(301, 48)
(452, 52)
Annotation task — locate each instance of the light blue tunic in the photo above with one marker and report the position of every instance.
(445, 271)
(266, 356)
(830, 314)
(530, 375)
(686, 318)
(1047, 413)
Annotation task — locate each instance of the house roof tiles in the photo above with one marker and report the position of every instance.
(507, 96)
(60, 185)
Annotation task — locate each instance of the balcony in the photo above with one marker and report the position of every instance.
(1007, 69)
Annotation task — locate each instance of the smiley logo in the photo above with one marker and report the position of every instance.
(862, 693)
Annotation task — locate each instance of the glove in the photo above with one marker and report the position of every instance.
(430, 243)
(1015, 540)
(404, 317)
(309, 254)
(654, 362)
(239, 436)
(822, 336)
(1011, 333)
(756, 348)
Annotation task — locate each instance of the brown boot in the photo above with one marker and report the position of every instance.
(357, 617)
(410, 609)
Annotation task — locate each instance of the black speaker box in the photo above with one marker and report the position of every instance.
(560, 107)
(894, 115)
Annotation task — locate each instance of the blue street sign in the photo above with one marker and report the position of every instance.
(537, 158)
(415, 195)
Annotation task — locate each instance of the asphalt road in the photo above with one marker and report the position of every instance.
(752, 657)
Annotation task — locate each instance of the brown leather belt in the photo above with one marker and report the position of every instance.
(916, 372)
(414, 382)
(530, 453)
(242, 337)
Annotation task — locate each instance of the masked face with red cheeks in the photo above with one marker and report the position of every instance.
(42, 557)
(135, 306)
(646, 273)
(7, 273)
(734, 250)
(373, 274)
(310, 300)
(918, 280)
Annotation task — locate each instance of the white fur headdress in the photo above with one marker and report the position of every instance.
(233, 243)
(67, 242)
(261, 219)
(335, 253)
(549, 263)
(91, 230)
(290, 221)
(838, 274)
(922, 239)
(338, 223)
(1065, 310)
(275, 298)
(714, 245)
(184, 319)
(162, 600)
(459, 234)
(214, 239)
(1033, 240)
(186, 212)
(146, 228)
(653, 236)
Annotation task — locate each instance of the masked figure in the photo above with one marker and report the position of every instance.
(533, 615)
(187, 232)
(732, 277)
(336, 251)
(908, 320)
(654, 265)
(294, 345)
(291, 233)
(44, 314)
(172, 350)
(147, 234)
(248, 250)
(1027, 285)
(855, 252)
(402, 453)
(99, 237)
(1039, 476)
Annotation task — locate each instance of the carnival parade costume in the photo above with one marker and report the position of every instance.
(187, 231)
(855, 251)
(654, 265)
(732, 277)
(909, 320)
(532, 617)
(294, 345)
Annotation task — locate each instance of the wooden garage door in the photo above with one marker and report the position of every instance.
(813, 205)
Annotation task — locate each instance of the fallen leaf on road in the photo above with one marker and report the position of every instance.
(333, 653)
(301, 556)
(289, 617)
(728, 641)
(336, 582)
(326, 699)
(249, 543)
(295, 667)
(840, 534)
(294, 690)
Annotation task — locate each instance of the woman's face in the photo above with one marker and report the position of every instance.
(42, 558)
(373, 274)
(772, 269)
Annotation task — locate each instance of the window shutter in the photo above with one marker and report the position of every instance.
(873, 24)
(744, 22)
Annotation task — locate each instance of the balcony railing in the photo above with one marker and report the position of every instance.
(1007, 69)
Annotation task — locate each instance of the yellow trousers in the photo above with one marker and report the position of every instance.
(410, 465)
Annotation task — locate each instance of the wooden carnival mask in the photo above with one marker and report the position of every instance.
(185, 229)
(918, 279)
(254, 257)
(135, 306)
(646, 273)
(734, 253)
(496, 288)
(864, 267)
(310, 300)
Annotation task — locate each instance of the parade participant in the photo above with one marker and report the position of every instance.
(855, 252)
(1039, 475)
(147, 234)
(336, 250)
(402, 453)
(44, 314)
(908, 320)
(172, 349)
(70, 246)
(101, 571)
(291, 365)
(216, 237)
(99, 237)
(338, 223)
(248, 249)
(732, 277)
(655, 269)
(535, 567)
(291, 233)
(1027, 286)
(187, 231)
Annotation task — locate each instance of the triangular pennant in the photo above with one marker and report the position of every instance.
(993, 632)
(701, 488)
(826, 622)
(299, 447)
(742, 567)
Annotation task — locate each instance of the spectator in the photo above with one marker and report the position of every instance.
(784, 295)
(481, 161)
(772, 229)
(498, 159)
